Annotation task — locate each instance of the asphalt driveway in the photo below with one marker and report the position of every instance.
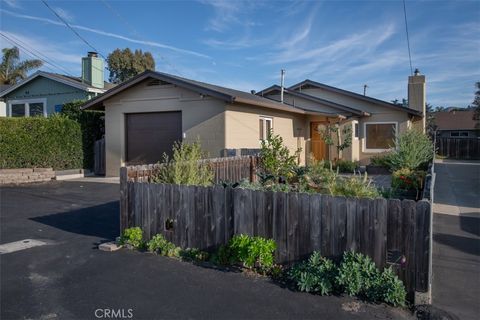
(69, 278)
(456, 238)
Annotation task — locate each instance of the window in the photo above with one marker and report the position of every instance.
(459, 134)
(28, 108)
(379, 136)
(355, 129)
(265, 126)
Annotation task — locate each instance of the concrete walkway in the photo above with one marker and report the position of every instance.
(456, 235)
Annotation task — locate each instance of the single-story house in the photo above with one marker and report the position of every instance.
(44, 93)
(455, 123)
(146, 114)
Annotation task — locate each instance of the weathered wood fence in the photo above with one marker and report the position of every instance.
(99, 157)
(458, 148)
(206, 217)
(228, 169)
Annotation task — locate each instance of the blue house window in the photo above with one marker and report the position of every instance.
(58, 108)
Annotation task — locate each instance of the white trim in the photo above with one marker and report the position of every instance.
(53, 78)
(355, 122)
(265, 120)
(26, 103)
(364, 144)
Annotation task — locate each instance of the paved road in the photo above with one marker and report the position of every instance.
(70, 279)
(456, 246)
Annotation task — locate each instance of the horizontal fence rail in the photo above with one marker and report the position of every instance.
(392, 232)
(459, 148)
(227, 169)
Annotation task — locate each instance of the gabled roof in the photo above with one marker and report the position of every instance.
(331, 104)
(222, 93)
(455, 120)
(315, 84)
(75, 82)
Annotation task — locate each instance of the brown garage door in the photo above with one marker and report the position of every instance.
(149, 135)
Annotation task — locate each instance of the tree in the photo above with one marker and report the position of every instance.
(12, 70)
(431, 126)
(333, 134)
(476, 105)
(125, 64)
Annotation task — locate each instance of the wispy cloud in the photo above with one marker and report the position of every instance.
(66, 15)
(12, 3)
(229, 14)
(108, 34)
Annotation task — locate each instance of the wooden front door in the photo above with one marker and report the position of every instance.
(319, 148)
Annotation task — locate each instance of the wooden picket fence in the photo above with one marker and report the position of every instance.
(227, 169)
(459, 148)
(207, 217)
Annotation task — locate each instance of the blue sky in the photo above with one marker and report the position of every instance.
(244, 44)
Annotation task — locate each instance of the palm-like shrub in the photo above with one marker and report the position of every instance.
(413, 149)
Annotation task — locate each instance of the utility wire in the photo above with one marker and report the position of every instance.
(41, 55)
(71, 28)
(134, 32)
(30, 53)
(408, 39)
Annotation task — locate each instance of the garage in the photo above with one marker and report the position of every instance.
(150, 135)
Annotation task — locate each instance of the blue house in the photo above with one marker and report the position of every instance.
(44, 93)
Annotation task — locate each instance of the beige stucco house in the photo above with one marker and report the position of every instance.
(145, 115)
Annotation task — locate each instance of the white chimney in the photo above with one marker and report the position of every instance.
(282, 84)
(417, 95)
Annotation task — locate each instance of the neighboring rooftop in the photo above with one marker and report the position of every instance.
(455, 120)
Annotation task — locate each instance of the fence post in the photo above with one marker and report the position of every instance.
(123, 198)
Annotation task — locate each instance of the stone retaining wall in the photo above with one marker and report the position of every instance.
(17, 176)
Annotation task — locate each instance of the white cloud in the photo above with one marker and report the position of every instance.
(12, 3)
(108, 34)
(66, 15)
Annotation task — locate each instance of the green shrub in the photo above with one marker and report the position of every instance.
(133, 236)
(194, 254)
(92, 124)
(358, 275)
(275, 158)
(40, 142)
(346, 166)
(158, 244)
(185, 167)
(315, 275)
(381, 160)
(354, 186)
(252, 251)
(413, 149)
(407, 179)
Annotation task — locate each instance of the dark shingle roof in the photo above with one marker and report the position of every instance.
(223, 93)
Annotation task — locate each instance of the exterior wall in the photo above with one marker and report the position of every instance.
(54, 92)
(378, 114)
(242, 123)
(201, 117)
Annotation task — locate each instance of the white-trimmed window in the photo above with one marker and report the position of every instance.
(355, 129)
(27, 108)
(379, 136)
(265, 126)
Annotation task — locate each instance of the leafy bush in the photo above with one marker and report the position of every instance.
(358, 275)
(346, 166)
(407, 179)
(185, 167)
(275, 158)
(194, 254)
(133, 236)
(92, 124)
(381, 160)
(413, 149)
(252, 251)
(315, 275)
(355, 186)
(40, 142)
(162, 246)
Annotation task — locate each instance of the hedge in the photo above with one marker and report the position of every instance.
(37, 142)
